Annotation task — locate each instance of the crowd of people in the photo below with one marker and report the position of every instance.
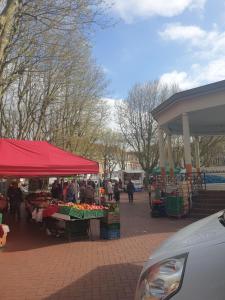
(85, 191)
(113, 190)
(71, 191)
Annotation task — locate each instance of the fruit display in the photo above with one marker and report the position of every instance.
(89, 206)
(83, 211)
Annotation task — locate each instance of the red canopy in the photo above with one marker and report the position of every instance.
(36, 158)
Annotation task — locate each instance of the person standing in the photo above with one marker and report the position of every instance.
(56, 190)
(15, 196)
(65, 188)
(82, 189)
(76, 188)
(109, 190)
(120, 184)
(116, 192)
(130, 191)
(89, 194)
(70, 193)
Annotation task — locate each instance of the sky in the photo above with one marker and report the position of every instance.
(175, 41)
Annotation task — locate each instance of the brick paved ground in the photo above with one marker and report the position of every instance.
(34, 266)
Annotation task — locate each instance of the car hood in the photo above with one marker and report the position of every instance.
(207, 231)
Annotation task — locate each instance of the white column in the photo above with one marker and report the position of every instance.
(161, 152)
(197, 154)
(170, 155)
(187, 143)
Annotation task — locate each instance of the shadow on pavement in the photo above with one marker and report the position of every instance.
(109, 282)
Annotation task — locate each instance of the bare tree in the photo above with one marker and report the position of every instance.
(50, 85)
(137, 124)
(210, 148)
(108, 148)
(121, 152)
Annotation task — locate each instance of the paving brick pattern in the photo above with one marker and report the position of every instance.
(34, 266)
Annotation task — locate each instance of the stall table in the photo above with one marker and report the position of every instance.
(74, 225)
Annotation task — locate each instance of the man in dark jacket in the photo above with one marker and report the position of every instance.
(130, 191)
(56, 190)
(15, 196)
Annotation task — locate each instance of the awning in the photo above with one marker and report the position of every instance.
(19, 158)
(157, 170)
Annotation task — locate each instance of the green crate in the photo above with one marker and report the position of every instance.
(90, 214)
(76, 213)
(0, 218)
(86, 214)
(65, 210)
(174, 205)
(99, 213)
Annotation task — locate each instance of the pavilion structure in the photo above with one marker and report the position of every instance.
(192, 113)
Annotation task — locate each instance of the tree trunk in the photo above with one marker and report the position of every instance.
(7, 21)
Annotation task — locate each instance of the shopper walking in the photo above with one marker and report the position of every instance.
(109, 190)
(15, 196)
(130, 191)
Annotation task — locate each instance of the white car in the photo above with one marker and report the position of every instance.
(188, 266)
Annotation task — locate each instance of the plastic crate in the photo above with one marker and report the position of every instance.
(0, 218)
(111, 218)
(109, 234)
(77, 229)
(175, 206)
(115, 226)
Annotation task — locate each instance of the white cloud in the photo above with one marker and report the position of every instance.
(112, 121)
(180, 78)
(205, 44)
(206, 50)
(130, 9)
(213, 71)
(197, 75)
(176, 31)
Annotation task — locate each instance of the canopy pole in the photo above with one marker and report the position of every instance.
(170, 155)
(187, 144)
(197, 155)
(161, 152)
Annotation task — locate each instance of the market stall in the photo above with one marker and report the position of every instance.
(29, 159)
(170, 197)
